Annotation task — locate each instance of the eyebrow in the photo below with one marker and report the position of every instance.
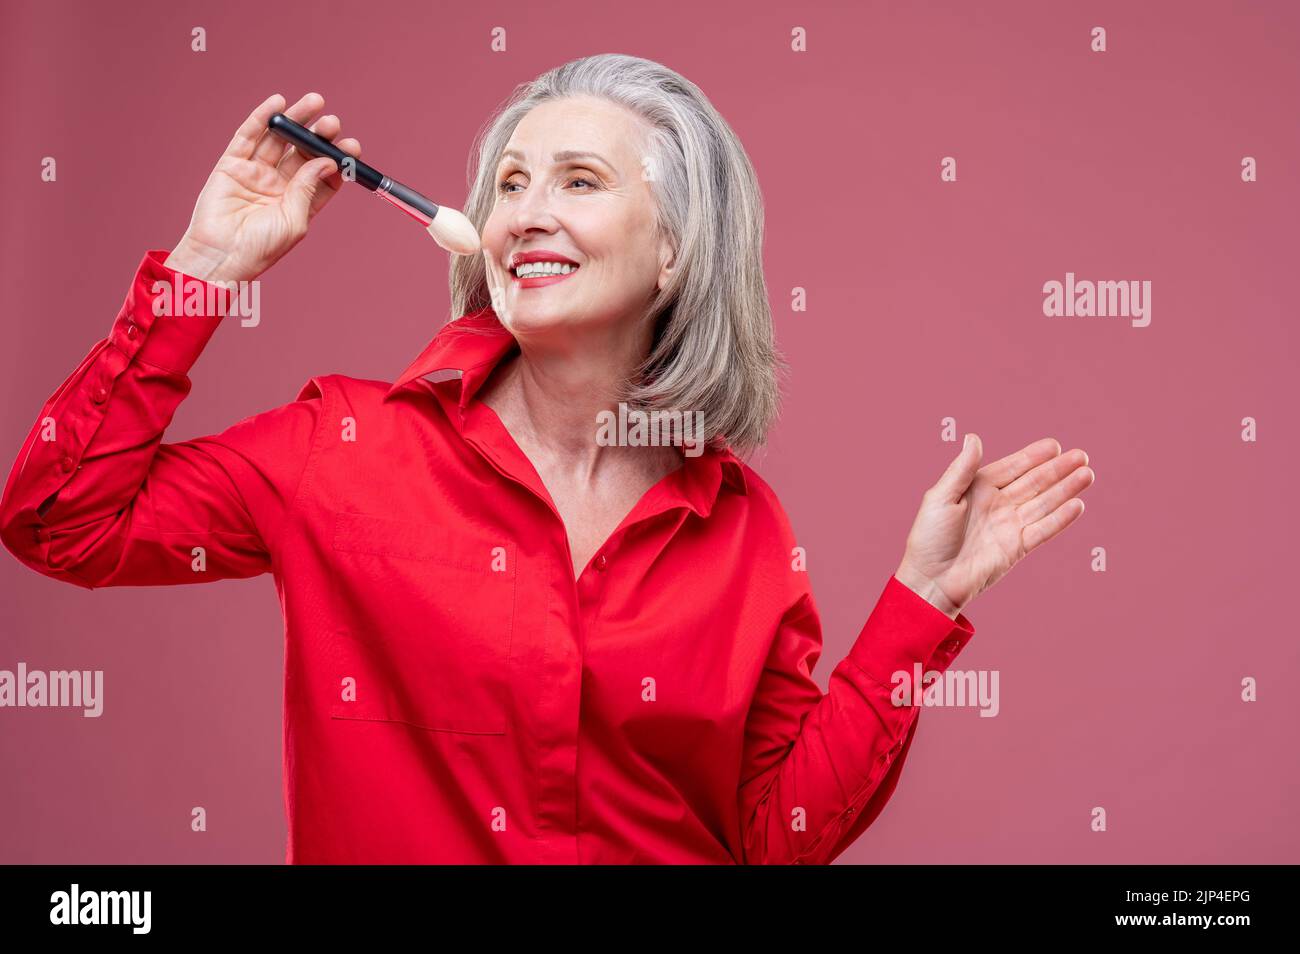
(564, 155)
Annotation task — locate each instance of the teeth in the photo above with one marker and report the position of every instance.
(535, 269)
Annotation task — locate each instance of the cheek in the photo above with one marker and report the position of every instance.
(493, 235)
(621, 244)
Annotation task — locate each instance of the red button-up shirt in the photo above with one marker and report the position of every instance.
(451, 692)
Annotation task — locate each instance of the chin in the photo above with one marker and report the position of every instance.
(533, 319)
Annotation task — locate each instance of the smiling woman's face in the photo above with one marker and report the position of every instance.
(570, 185)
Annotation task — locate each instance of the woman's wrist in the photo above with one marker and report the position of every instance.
(927, 589)
(201, 262)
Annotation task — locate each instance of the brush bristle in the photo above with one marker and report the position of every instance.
(454, 232)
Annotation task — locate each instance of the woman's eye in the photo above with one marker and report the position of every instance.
(504, 186)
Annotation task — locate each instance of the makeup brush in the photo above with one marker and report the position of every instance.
(449, 228)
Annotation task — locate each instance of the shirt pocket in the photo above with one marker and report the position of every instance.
(428, 616)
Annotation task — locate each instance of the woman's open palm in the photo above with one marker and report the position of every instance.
(262, 195)
(977, 522)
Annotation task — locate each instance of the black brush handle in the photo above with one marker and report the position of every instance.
(313, 145)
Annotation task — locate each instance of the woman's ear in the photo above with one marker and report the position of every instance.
(668, 259)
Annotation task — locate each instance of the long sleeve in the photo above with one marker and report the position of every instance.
(818, 768)
(96, 499)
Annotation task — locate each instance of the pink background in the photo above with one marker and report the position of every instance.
(1118, 689)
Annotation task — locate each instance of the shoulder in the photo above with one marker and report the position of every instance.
(760, 493)
(374, 407)
(765, 515)
(768, 551)
(334, 385)
(361, 393)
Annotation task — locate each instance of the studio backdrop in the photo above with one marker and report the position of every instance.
(1023, 219)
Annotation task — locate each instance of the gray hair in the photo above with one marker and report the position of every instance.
(713, 349)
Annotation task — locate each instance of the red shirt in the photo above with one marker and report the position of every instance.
(451, 692)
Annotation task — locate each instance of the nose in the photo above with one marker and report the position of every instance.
(530, 210)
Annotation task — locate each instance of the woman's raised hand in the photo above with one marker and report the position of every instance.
(260, 198)
(976, 523)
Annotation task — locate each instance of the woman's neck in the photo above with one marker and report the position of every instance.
(550, 394)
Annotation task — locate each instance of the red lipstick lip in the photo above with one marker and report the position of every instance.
(540, 255)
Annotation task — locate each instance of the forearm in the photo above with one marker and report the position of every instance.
(807, 794)
(67, 502)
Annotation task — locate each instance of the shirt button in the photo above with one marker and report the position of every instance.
(132, 331)
(67, 464)
(952, 645)
(601, 562)
(99, 395)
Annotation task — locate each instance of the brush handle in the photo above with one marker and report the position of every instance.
(404, 197)
(306, 141)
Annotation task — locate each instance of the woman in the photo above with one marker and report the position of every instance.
(508, 640)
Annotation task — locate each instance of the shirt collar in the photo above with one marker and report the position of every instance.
(475, 343)
(472, 345)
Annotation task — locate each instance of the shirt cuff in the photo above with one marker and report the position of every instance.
(168, 316)
(905, 629)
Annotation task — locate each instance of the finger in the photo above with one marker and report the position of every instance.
(1004, 471)
(1040, 506)
(303, 188)
(1039, 532)
(331, 184)
(327, 127)
(250, 130)
(304, 112)
(962, 470)
(1030, 485)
